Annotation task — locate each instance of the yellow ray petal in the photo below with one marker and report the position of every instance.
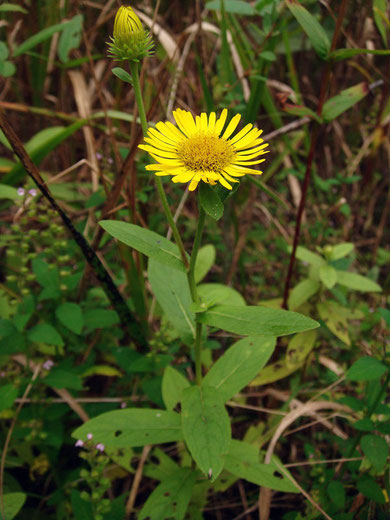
(186, 124)
(221, 122)
(183, 177)
(159, 144)
(224, 183)
(241, 133)
(155, 134)
(212, 119)
(156, 151)
(249, 163)
(227, 176)
(231, 126)
(247, 139)
(244, 153)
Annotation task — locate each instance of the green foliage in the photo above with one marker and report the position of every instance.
(224, 380)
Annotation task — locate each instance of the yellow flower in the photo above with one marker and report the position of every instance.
(130, 40)
(127, 26)
(199, 151)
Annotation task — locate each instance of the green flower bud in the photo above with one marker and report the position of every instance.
(130, 40)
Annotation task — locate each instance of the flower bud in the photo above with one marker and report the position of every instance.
(130, 41)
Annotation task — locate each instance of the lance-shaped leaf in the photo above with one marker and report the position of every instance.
(171, 497)
(302, 292)
(343, 101)
(145, 241)
(311, 27)
(206, 428)
(357, 282)
(256, 320)
(243, 461)
(236, 368)
(173, 384)
(133, 427)
(170, 287)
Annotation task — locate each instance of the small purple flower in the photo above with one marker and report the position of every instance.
(33, 192)
(48, 365)
(21, 192)
(89, 436)
(99, 156)
(123, 405)
(79, 444)
(100, 446)
(2, 374)
(110, 161)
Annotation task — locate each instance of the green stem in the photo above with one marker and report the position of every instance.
(134, 69)
(194, 253)
(194, 294)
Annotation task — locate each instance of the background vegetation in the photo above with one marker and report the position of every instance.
(315, 76)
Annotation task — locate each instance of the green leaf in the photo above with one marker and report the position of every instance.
(243, 461)
(212, 293)
(328, 276)
(8, 394)
(256, 320)
(132, 427)
(4, 52)
(311, 27)
(7, 69)
(206, 428)
(357, 282)
(236, 368)
(102, 370)
(145, 241)
(70, 37)
(7, 7)
(170, 499)
(379, 7)
(344, 54)
(336, 493)
(100, 319)
(376, 449)
(41, 145)
(204, 262)
(364, 425)
(232, 6)
(82, 509)
(173, 295)
(343, 101)
(302, 292)
(274, 372)
(40, 37)
(46, 277)
(302, 111)
(173, 384)
(122, 74)
(335, 319)
(8, 192)
(341, 250)
(71, 316)
(299, 347)
(13, 503)
(370, 489)
(60, 378)
(307, 256)
(210, 201)
(366, 369)
(45, 333)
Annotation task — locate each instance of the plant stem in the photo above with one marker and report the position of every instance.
(194, 253)
(134, 69)
(194, 294)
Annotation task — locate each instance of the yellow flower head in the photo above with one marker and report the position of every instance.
(127, 26)
(130, 40)
(199, 151)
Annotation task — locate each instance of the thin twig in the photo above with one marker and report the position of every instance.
(137, 481)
